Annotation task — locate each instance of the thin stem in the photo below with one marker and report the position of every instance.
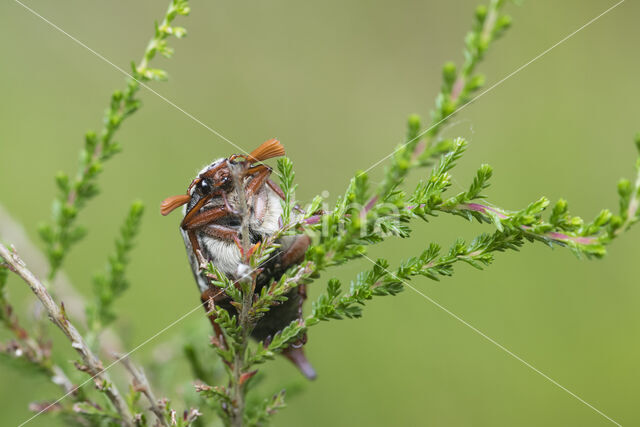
(247, 282)
(13, 231)
(31, 349)
(92, 364)
(632, 209)
(141, 384)
(63, 233)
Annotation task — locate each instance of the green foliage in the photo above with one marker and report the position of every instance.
(7, 316)
(220, 396)
(220, 280)
(629, 201)
(73, 193)
(335, 305)
(62, 233)
(285, 167)
(365, 215)
(22, 352)
(158, 44)
(201, 371)
(173, 417)
(96, 414)
(272, 295)
(4, 275)
(110, 284)
(458, 86)
(260, 414)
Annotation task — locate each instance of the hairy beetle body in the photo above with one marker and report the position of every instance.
(212, 229)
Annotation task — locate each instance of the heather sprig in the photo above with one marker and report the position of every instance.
(261, 413)
(110, 284)
(287, 175)
(60, 235)
(458, 86)
(360, 219)
(73, 193)
(514, 229)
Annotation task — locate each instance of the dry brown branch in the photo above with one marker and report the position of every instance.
(91, 364)
(141, 384)
(61, 287)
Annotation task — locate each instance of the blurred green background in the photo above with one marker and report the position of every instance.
(335, 81)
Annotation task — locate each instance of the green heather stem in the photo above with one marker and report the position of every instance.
(62, 233)
(458, 86)
(113, 282)
(247, 284)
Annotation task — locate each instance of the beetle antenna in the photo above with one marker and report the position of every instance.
(171, 203)
(266, 150)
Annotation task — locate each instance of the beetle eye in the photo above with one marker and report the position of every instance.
(203, 186)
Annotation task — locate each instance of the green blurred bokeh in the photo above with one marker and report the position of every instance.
(335, 81)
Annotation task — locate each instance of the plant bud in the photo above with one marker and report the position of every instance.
(481, 13)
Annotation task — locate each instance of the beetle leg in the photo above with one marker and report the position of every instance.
(227, 205)
(195, 210)
(276, 188)
(294, 254)
(233, 157)
(260, 175)
(203, 218)
(219, 231)
(215, 294)
(202, 222)
(195, 246)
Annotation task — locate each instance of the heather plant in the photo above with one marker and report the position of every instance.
(365, 215)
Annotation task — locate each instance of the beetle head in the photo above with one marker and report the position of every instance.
(216, 178)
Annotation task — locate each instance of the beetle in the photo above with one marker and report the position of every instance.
(211, 229)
